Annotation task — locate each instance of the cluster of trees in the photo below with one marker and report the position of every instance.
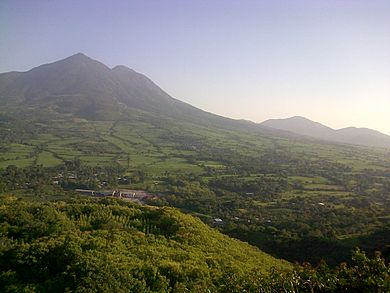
(264, 186)
(364, 275)
(33, 177)
(73, 174)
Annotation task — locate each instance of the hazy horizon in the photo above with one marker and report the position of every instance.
(328, 61)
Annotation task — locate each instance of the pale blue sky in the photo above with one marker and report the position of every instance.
(327, 60)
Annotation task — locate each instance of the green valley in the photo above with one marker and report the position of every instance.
(77, 124)
(280, 188)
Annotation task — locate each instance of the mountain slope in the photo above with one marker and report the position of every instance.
(82, 87)
(71, 85)
(78, 82)
(351, 135)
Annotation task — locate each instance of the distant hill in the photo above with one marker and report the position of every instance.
(351, 135)
(300, 125)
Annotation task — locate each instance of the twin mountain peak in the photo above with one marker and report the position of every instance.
(80, 86)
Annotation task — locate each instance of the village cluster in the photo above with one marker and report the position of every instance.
(133, 195)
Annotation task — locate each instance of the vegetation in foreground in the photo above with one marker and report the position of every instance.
(115, 246)
(108, 245)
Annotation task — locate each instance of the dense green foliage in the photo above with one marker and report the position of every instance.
(113, 246)
(365, 275)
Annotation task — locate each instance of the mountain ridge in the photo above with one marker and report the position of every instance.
(82, 87)
(350, 135)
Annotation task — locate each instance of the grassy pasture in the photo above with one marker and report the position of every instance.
(47, 159)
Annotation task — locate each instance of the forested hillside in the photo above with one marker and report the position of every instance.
(113, 246)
